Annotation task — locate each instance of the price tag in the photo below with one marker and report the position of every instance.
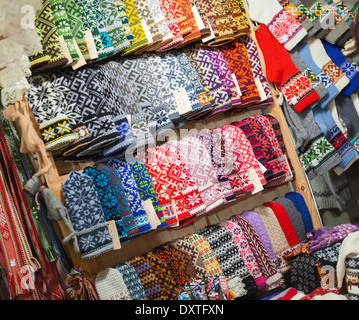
(236, 83)
(111, 225)
(198, 18)
(255, 180)
(151, 213)
(182, 100)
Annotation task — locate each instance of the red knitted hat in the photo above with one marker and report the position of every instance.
(280, 69)
(284, 222)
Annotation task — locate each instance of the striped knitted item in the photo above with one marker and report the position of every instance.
(207, 255)
(131, 280)
(238, 278)
(352, 277)
(246, 253)
(284, 222)
(256, 244)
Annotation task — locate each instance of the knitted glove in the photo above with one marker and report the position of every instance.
(280, 69)
(280, 23)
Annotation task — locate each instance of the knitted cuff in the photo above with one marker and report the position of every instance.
(296, 13)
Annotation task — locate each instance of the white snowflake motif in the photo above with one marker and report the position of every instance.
(193, 199)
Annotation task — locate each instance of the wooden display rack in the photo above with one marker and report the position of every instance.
(150, 240)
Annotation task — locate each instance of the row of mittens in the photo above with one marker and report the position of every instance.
(242, 254)
(172, 184)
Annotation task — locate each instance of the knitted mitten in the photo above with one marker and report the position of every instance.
(131, 280)
(81, 197)
(110, 285)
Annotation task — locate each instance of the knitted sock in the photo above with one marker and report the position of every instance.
(328, 67)
(274, 17)
(132, 194)
(350, 72)
(280, 69)
(126, 215)
(297, 14)
(301, 206)
(318, 86)
(92, 233)
(332, 133)
(131, 280)
(305, 55)
(314, 158)
(348, 114)
(317, 29)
